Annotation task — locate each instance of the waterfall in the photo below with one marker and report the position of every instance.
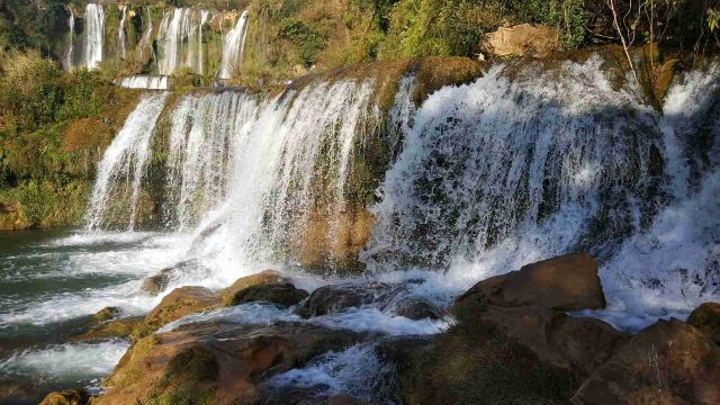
(233, 46)
(145, 42)
(71, 39)
(180, 39)
(121, 33)
(119, 178)
(94, 35)
(147, 82)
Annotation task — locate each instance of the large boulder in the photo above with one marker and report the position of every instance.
(216, 363)
(154, 285)
(179, 303)
(563, 283)
(263, 278)
(576, 344)
(416, 308)
(523, 39)
(71, 396)
(336, 298)
(285, 295)
(706, 317)
(670, 362)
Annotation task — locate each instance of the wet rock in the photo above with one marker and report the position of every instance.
(285, 295)
(179, 303)
(706, 318)
(670, 362)
(564, 283)
(417, 308)
(71, 396)
(335, 298)
(216, 363)
(264, 278)
(154, 285)
(119, 328)
(105, 315)
(473, 364)
(344, 400)
(523, 39)
(577, 345)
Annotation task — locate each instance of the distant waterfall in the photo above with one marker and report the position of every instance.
(117, 187)
(233, 47)
(180, 39)
(71, 39)
(121, 33)
(145, 82)
(94, 35)
(145, 43)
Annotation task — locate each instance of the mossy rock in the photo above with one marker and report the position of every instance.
(706, 317)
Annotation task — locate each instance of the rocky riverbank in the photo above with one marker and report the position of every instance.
(509, 339)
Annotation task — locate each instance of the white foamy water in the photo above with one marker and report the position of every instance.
(121, 33)
(180, 40)
(67, 362)
(147, 82)
(233, 47)
(94, 35)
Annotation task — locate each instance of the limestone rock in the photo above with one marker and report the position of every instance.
(706, 317)
(216, 363)
(66, 397)
(669, 362)
(105, 315)
(285, 295)
(118, 328)
(564, 283)
(154, 285)
(179, 303)
(267, 277)
(417, 308)
(524, 39)
(335, 298)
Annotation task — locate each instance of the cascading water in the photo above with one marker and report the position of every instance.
(71, 39)
(121, 33)
(233, 46)
(94, 35)
(180, 39)
(145, 82)
(120, 173)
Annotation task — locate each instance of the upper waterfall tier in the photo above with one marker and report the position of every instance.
(153, 40)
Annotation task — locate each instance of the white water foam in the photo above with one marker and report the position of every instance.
(233, 47)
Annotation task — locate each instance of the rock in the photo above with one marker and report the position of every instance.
(669, 362)
(267, 277)
(577, 345)
(105, 314)
(285, 295)
(335, 298)
(564, 283)
(216, 363)
(472, 364)
(706, 318)
(154, 285)
(67, 397)
(179, 303)
(524, 39)
(119, 328)
(344, 400)
(417, 308)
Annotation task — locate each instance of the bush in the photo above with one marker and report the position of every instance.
(304, 37)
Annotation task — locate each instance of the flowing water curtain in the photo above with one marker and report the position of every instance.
(206, 131)
(553, 156)
(69, 64)
(145, 82)
(94, 35)
(181, 41)
(122, 50)
(233, 47)
(118, 186)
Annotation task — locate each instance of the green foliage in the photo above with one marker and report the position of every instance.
(568, 16)
(304, 37)
(713, 19)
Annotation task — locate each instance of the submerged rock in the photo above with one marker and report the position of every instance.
(73, 396)
(566, 283)
(335, 298)
(670, 362)
(706, 318)
(179, 303)
(417, 308)
(215, 363)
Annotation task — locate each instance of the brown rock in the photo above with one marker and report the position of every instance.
(524, 39)
(564, 283)
(119, 328)
(218, 364)
(670, 362)
(344, 400)
(417, 308)
(105, 314)
(706, 317)
(578, 345)
(179, 303)
(282, 294)
(154, 285)
(66, 397)
(267, 277)
(334, 298)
